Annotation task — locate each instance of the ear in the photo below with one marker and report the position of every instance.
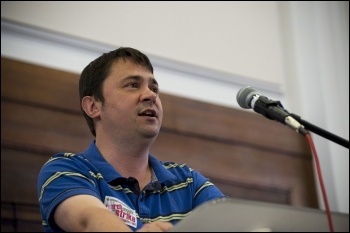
(90, 106)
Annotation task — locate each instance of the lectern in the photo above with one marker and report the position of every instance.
(229, 214)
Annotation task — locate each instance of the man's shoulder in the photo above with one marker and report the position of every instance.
(170, 164)
(178, 169)
(66, 157)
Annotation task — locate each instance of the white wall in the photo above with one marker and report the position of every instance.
(295, 52)
(316, 43)
(224, 36)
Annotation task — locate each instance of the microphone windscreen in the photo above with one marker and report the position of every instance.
(245, 95)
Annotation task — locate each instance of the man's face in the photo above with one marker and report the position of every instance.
(132, 108)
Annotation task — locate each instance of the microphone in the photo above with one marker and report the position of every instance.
(247, 97)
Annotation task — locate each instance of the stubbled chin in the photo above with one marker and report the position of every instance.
(150, 132)
(150, 135)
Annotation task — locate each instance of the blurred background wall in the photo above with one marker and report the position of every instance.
(295, 52)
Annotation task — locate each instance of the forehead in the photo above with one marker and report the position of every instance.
(124, 70)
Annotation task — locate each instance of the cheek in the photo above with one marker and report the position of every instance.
(116, 110)
(161, 115)
(160, 109)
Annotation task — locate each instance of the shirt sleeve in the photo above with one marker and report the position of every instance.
(205, 189)
(60, 178)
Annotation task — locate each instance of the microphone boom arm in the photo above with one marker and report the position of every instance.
(321, 132)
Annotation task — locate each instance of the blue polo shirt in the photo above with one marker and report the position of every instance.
(175, 189)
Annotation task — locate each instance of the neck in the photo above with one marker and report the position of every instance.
(128, 160)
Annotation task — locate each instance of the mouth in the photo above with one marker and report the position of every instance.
(148, 113)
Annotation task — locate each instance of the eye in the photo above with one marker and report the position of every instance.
(155, 89)
(133, 85)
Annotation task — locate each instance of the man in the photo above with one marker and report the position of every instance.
(116, 184)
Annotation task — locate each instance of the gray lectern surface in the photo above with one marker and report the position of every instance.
(230, 214)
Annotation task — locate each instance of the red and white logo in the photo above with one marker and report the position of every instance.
(122, 210)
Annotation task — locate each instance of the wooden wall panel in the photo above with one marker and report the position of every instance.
(245, 154)
(38, 85)
(229, 125)
(44, 128)
(242, 167)
(19, 217)
(19, 172)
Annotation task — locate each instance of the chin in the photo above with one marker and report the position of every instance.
(150, 134)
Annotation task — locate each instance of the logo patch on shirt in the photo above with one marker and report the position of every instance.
(122, 210)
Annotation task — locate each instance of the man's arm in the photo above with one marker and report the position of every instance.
(87, 213)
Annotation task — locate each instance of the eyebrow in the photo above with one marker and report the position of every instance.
(139, 78)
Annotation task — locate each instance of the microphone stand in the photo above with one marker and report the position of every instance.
(321, 132)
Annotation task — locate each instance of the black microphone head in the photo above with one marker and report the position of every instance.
(245, 95)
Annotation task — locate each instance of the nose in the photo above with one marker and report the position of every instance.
(149, 95)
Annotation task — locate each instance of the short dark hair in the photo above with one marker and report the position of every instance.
(94, 74)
